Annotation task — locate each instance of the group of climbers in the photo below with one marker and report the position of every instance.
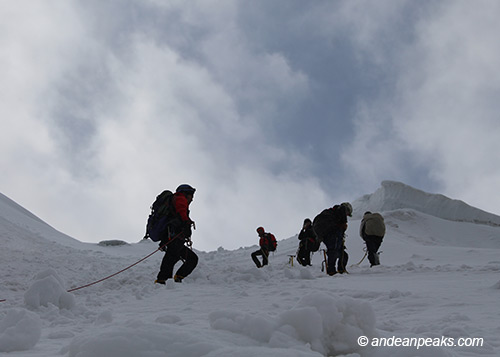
(329, 227)
(170, 225)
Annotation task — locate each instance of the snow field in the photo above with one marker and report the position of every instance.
(437, 278)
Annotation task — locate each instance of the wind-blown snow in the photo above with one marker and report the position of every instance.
(438, 279)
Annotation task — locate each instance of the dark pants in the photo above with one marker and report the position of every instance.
(264, 254)
(304, 254)
(177, 251)
(335, 252)
(372, 245)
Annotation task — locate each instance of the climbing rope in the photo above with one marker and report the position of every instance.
(130, 266)
(121, 271)
(364, 256)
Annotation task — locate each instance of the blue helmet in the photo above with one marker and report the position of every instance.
(185, 188)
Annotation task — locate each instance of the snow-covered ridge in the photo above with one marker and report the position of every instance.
(14, 215)
(12, 210)
(396, 195)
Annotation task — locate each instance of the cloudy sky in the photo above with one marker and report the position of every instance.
(273, 110)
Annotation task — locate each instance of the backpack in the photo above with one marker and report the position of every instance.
(328, 220)
(160, 216)
(269, 242)
(374, 224)
(336, 214)
(313, 244)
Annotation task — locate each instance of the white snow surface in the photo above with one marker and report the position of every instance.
(439, 280)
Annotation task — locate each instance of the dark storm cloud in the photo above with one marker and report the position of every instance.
(272, 109)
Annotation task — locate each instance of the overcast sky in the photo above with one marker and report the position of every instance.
(273, 110)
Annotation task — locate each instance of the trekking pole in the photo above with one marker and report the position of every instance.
(324, 263)
(265, 253)
(290, 259)
(343, 255)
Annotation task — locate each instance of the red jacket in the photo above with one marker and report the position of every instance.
(181, 206)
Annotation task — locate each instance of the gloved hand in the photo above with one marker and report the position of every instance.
(186, 231)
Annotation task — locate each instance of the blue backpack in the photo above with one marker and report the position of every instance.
(160, 217)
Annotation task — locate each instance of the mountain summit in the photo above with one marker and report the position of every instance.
(396, 195)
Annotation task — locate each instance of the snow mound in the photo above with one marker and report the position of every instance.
(327, 324)
(20, 330)
(139, 339)
(396, 195)
(48, 288)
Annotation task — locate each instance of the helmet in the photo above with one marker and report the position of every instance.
(348, 208)
(185, 188)
(260, 230)
(307, 220)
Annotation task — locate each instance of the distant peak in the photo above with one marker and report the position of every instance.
(393, 195)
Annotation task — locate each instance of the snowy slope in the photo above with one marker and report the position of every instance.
(395, 195)
(439, 279)
(14, 218)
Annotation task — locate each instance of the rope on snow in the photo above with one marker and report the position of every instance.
(121, 271)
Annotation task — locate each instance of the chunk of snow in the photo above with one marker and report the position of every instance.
(48, 288)
(20, 330)
(329, 324)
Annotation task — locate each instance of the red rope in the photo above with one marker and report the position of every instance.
(121, 271)
(112, 275)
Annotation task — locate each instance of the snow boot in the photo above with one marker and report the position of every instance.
(376, 259)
